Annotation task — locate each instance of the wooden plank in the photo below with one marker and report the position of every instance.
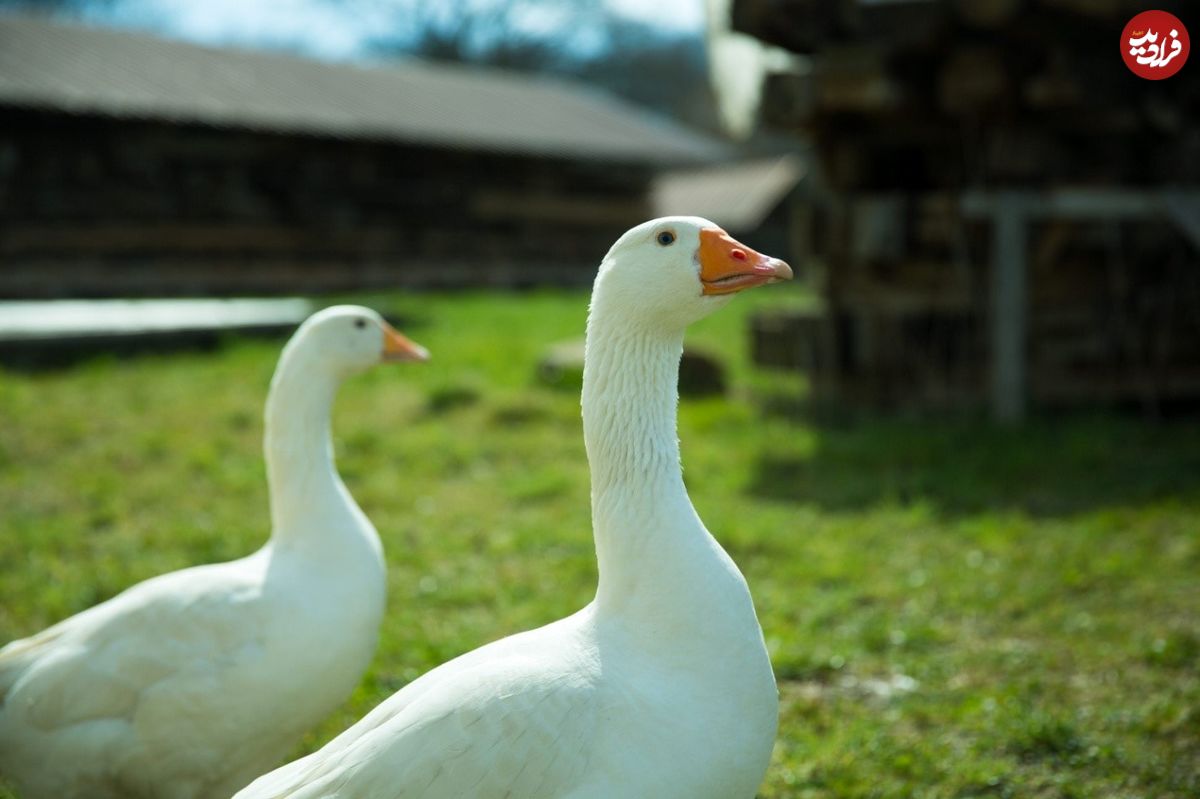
(1091, 203)
(1008, 333)
(1183, 208)
(496, 204)
(177, 237)
(166, 277)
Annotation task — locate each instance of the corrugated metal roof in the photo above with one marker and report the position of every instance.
(736, 196)
(117, 73)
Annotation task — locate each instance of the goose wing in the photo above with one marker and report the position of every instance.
(101, 663)
(510, 728)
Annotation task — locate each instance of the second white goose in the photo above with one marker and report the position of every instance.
(188, 685)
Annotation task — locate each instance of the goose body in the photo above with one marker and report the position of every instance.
(661, 687)
(190, 684)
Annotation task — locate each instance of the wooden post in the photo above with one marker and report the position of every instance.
(1009, 253)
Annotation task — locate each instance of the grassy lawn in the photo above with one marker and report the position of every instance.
(953, 610)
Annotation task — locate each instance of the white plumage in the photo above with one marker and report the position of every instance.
(659, 688)
(188, 685)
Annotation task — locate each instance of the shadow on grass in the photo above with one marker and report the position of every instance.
(1048, 467)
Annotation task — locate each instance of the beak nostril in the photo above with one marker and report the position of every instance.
(737, 255)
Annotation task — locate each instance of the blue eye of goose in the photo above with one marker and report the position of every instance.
(665, 238)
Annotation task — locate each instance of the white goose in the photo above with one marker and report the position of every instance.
(188, 685)
(659, 688)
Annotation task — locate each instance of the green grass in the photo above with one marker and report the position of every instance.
(953, 610)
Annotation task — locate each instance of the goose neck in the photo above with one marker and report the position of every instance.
(630, 396)
(645, 529)
(298, 448)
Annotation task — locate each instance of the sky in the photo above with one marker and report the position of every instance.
(319, 27)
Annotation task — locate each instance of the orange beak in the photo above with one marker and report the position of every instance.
(728, 266)
(398, 347)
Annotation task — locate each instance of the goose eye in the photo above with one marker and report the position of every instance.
(665, 238)
(360, 323)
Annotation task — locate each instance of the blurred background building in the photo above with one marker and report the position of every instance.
(132, 165)
(1002, 210)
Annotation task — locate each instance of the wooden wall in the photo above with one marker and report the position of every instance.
(95, 206)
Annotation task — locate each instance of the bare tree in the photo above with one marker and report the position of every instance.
(665, 71)
(517, 34)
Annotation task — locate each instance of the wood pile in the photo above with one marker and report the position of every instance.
(911, 104)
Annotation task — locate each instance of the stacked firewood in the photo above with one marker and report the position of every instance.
(912, 104)
(915, 95)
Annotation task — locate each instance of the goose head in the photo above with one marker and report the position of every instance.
(347, 339)
(670, 272)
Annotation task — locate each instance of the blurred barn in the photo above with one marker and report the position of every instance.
(1005, 214)
(136, 166)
